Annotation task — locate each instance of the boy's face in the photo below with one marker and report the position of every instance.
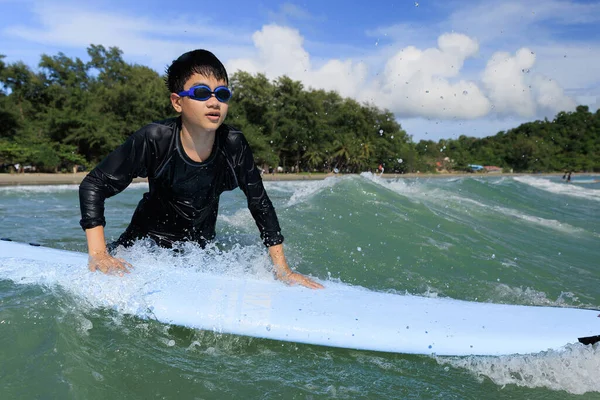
(207, 115)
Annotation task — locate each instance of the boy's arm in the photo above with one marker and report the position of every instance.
(264, 215)
(110, 177)
(284, 273)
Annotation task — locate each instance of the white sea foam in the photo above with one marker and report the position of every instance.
(138, 185)
(546, 223)
(46, 189)
(305, 190)
(442, 197)
(240, 219)
(400, 186)
(528, 296)
(154, 267)
(39, 189)
(559, 188)
(572, 369)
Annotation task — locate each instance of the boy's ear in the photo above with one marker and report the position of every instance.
(176, 102)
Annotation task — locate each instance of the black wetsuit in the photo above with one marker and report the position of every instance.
(183, 199)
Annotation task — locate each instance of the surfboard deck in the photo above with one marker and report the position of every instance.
(339, 316)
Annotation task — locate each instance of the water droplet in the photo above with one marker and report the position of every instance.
(493, 256)
(268, 328)
(381, 131)
(359, 248)
(465, 92)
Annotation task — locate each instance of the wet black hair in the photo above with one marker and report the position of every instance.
(199, 61)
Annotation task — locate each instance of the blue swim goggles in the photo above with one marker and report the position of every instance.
(203, 93)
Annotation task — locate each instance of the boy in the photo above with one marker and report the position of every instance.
(189, 161)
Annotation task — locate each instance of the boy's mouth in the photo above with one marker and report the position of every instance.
(213, 116)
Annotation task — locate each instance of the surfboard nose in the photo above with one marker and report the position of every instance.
(589, 339)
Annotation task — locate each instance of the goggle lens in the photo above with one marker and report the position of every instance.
(221, 93)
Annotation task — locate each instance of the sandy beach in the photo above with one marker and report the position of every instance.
(67, 179)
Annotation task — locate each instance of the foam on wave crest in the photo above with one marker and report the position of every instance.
(572, 369)
(401, 185)
(559, 188)
(240, 219)
(44, 189)
(442, 197)
(529, 296)
(306, 189)
(39, 189)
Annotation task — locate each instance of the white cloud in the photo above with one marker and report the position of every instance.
(137, 36)
(414, 76)
(420, 82)
(518, 20)
(280, 51)
(572, 65)
(504, 79)
(414, 82)
(290, 11)
(514, 90)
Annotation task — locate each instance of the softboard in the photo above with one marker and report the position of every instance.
(339, 316)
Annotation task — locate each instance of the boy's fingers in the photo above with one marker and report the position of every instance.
(125, 264)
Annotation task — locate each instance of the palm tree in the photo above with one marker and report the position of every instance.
(314, 158)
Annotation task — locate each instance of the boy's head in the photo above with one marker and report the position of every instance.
(201, 62)
(198, 84)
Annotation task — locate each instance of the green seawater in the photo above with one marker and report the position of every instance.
(531, 240)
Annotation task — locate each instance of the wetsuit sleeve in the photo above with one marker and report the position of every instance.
(112, 176)
(259, 204)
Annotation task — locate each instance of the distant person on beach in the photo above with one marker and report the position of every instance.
(565, 175)
(569, 177)
(380, 169)
(189, 161)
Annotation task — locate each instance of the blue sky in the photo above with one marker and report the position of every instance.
(444, 68)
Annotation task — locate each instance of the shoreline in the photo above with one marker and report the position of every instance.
(15, 179)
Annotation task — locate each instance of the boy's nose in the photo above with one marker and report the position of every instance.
(212, 100)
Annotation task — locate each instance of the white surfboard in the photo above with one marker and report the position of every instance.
(338, 316)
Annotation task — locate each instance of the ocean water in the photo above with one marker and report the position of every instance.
(530, 240)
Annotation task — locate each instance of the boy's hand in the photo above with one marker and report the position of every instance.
(107, 264)
(296, 278)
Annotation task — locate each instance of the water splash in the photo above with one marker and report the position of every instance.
(572, 369)
(305, 190)
(560, 188)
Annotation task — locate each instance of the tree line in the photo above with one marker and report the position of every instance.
(73, 113)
